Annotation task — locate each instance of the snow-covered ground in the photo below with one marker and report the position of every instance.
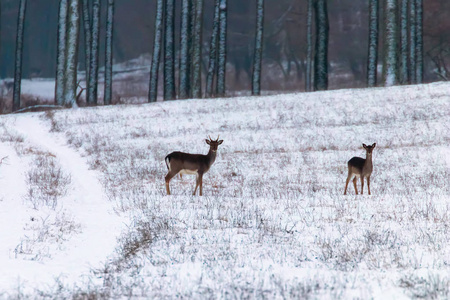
(273, 221)
(41, 243)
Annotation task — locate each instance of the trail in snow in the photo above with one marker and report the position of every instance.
(12, 217)
(86, 202)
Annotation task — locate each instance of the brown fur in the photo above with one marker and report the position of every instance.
(360, 167)
(185, 163)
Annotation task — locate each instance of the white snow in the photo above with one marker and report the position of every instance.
(42, 88)
(86, 202)
(273, 222)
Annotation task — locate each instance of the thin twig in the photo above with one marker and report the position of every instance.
(81, 91)
(3, 159)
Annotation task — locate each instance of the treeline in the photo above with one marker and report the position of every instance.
(190, 60)
(67, 59)
(401, 31)
(403, 42)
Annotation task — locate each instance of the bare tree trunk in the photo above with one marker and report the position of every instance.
(197, 51)
(19, 54)
(412, 41)
(222, 58)
(309, 47)
(109, 52)
(87, 37)
(192, 46)
(404, 42)
(212, 68)
(372, 58)
(390, 44)
(92, 96)
(73, 23)
(153, 90)
(0, 26)
(185, 51)
(169, 50)
(256, 80)
(321, 55)
(61, 55)
(419, 41)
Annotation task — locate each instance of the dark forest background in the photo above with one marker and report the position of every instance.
(284, 40)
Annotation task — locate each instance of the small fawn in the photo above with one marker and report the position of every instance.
(186, 163)
(360, 167)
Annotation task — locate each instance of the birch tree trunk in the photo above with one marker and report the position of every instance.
(197, 51)
(0, 26)
(153, 89)
(222, 54)
(372, 58)
(412, 41)
(404, 42)
(73, 24)
(92, 96)
(169, 49)
(109, 52)
(321, 55)
(192, 46)
(390, 70)
(185, 50)
(309, 47)
(87, 37)
(256, 80)
(212, 67)
(419, 41)
(19, 54)
(60, 84)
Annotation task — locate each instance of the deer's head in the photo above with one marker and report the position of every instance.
(369, 148)
(213, 144)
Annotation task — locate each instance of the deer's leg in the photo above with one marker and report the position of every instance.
(362, 184)
(169, 176)
(201, 184)
(354, 184)
(346, 183)
(368, 183)
(196, 184)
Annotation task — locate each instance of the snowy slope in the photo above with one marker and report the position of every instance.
(273, 222)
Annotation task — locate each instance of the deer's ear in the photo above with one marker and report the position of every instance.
(208, 142)
(374, 144)
(365, 146)
(220, 142)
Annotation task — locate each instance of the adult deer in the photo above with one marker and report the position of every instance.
(197, 164)
(360, 167)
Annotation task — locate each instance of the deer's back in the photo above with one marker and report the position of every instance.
(187, 161)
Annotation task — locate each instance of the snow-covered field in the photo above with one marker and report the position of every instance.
(83, 210)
